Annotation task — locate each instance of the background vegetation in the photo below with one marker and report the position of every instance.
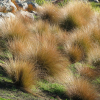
(54, 57)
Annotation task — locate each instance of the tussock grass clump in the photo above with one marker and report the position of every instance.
(23, 48)
(86, 71)
(12, 28)
(49, 61)
(77, 14)
(50, 12)
(84, 43)
(21, 72)
(78, 46)
(81, 89)
(95, 33)
(20, 48)
(40, 27)
(75, 54)
(94, 57)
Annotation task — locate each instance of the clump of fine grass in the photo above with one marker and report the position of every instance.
(13, 27)
(95, 33)
(75, 54)
(23, 48)
(84, 43)
(19, 48)
(49, 61)
(86, 71)
(78, 46)
(41, 27)
(77, 14)
(81, 89)
(94, 57)
(21, 72)
(50, 12)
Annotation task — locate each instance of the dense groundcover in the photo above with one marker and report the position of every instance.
(50, 52)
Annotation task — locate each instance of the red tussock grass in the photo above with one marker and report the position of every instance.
(52, 32)
(50, 12)
(85, 71)
(12, 28)
(23, 48)
(82, 43)
(75, 54)
(77, 14)
(21, 72)
(81, 89)
(95, 33)
(40, 27)
(49, 61)
(60, 35)
(93, 57)
(19, 48)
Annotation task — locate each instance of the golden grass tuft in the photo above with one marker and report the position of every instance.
(50, 12)
(40, 27)
(23, 48)
(75, 54)
(77, 46)
(81, 89)
(12, 28)
(84, 43)
(95, 34)
(93, 57)
(77, 14)
(49, 61)
(21, 72)
(86, 71)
